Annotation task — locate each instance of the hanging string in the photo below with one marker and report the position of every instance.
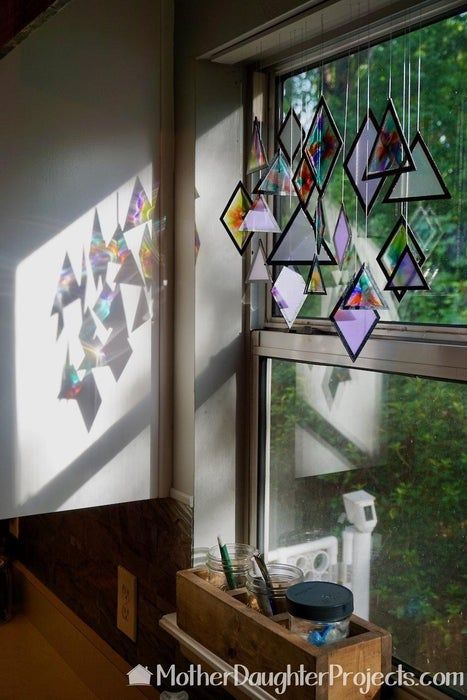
(390, 67)
(358, 167)
(409, 67)
(302, 108)
(419, 73)
(409, 106)
(404, 81)
(419, 69)
(367, 118)
(402, 204)
(345, 122)
(322, 54)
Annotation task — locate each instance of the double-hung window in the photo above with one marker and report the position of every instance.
(358, 468)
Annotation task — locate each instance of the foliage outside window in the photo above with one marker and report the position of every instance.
(438, 224)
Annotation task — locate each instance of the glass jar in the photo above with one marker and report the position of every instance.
(240, 563)
(270, 600)
(319, 611)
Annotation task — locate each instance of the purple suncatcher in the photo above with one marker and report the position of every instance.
(354, 326)
(342, 236)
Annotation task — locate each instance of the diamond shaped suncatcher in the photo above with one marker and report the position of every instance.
(303, 180)
(354, 327)
(323, 144)
(356, 161)
(320, 223)
(389, 255)
(234, 215)
(291, 135)
(342, 236)
(288, 294)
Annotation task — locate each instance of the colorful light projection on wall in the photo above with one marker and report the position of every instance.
(112, 347)
(83, 353)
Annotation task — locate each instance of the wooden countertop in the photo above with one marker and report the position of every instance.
(31, 668)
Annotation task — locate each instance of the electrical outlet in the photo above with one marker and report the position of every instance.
(14, 527)
(126, 603)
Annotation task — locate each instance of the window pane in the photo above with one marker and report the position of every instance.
(437, 224)
(399, 440)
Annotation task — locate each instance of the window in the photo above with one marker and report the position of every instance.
(336, 430)
(438, 224)
(389, 429)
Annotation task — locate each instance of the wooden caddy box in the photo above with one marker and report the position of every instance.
(223, 623)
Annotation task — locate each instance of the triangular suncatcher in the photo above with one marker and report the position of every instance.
(260, 218)
(315, 283)
(259, 270)
(297, 244)
(363, 292)
(278, 178)
(390, 153)
(257, 156)
(407, 274)
(425, 182)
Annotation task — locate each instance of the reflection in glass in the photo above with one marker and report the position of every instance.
(394, 447)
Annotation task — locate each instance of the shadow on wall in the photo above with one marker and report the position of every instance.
(95, 98)
(83, 359)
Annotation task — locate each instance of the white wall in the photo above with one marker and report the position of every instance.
(210, 408)
(79, 121)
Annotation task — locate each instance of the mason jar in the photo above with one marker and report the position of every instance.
(270, 600)
(319, 611)
(240, 563)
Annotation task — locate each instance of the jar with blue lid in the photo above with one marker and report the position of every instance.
(319, 611)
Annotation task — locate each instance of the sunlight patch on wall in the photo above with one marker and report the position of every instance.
(83, 358)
